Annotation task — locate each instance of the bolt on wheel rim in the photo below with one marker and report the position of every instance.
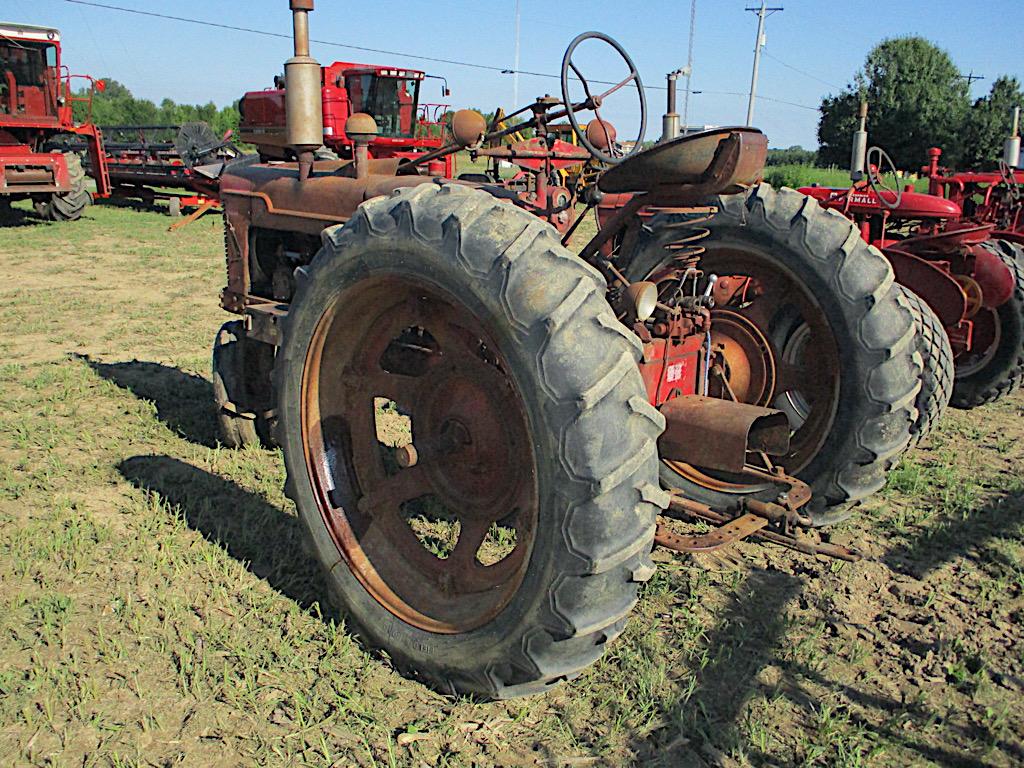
(419, 454)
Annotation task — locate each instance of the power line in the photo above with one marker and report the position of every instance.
(801, 71)
(383, 51)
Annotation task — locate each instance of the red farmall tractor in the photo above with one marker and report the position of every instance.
(474, 418)
(990, 197)
(390, 95)
(963, 278)
(36, 104)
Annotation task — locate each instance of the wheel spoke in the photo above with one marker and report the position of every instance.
(391, 492)
(583, 80)
(629, 78)
(362, 388)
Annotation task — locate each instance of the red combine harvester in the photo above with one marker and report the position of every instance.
(390, 95)
(970, 278)
(36, 106)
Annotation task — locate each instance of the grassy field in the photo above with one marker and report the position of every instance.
(796, 176)
(156, 607)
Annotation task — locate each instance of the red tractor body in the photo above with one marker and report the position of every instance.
(992, 197)
(942, 260)
(391, 95)
(36, 105)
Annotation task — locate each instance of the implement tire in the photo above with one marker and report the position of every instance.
(69, 205)
(463, 288)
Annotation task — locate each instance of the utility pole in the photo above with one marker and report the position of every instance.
(971, 78)
(689, 65)
(515, 65)
(762, 13)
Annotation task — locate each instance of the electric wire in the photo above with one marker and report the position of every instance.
(386, 52)
(800, 71)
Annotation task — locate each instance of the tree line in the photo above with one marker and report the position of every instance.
(116, 105)
(917, 98)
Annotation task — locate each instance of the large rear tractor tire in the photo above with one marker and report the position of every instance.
(69, 205)
(932, 344)
(468, 441)
(811, 326)
(985, 375)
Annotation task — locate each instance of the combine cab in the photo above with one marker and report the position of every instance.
(36, 105)
(406, 128)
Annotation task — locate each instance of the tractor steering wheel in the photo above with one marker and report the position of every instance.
(1008, 178)
(614, 155)
(875, 180)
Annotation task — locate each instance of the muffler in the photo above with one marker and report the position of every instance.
(718, 434)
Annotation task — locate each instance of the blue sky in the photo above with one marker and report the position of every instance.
(826, 40)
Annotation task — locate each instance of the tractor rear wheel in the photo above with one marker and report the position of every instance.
(997, 369)
(811, 326)
(69, 205)
(468, 441)
(937, 373)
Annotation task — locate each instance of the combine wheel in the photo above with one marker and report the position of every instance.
(468, 441)
(241, 384)
(995, 369)
(813, 328)
(937, 374)
(67, 206)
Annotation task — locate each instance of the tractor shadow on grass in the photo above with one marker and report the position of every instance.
(248, 527)
(16, 217)
(747, 639)
(967, 536)
(749, 653)
(184, 401)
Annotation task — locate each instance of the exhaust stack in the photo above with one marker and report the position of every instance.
(1011, 148)
(860, 145)
(670, 120)
(302, 96)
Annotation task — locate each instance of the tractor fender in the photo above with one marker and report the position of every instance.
(932, 283)
(994, 276)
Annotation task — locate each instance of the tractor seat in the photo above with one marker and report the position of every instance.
(722, 160)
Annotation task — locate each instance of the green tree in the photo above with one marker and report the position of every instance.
(917, 99)
(795, 155)
(988, 124)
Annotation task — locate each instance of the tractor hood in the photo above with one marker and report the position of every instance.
(914, 205)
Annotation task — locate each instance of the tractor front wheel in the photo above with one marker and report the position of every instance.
(69, 205)
(932, 343)
(240, 369)
(995, 368)
(468, 442)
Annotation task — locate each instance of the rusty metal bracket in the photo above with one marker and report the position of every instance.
(694, 510)
(730, 533)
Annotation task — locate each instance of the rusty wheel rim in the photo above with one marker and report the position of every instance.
(778, 338)
(424, 525)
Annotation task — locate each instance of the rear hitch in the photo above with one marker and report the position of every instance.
(777, 523)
